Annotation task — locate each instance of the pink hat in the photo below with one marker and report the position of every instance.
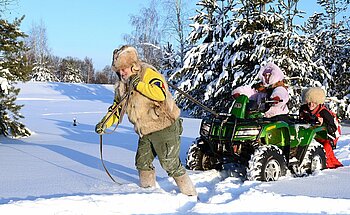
(270, 74)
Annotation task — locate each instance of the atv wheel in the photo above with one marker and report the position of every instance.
(210, 162)
(266, 164)
(314, 160)
(194, 159)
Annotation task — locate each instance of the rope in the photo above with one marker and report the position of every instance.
(193, 99)
(103, 163)
(126, 98)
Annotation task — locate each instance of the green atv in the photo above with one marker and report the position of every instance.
(254, 147)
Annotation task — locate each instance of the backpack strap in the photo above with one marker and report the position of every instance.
(334, 136)
(318, 109)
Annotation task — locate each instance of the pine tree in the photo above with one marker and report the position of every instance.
(71, 70)
(294, 55)
(170, 61)
(236, 40)
(203, 72)
(12, 69)
(331, 39)
(72, 75)
(42, 72)
(264, 35)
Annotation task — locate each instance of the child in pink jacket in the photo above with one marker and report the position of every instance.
(271, 88)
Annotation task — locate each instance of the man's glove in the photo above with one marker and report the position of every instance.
(134, 80)
(100, 127)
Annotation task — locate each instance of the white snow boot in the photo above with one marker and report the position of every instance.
(147, 178)
(185, 185)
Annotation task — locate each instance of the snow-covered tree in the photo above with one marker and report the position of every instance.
(261, 36)
(203, 70)
(235, 39)
(294, 54)
(71, 70)
(38, 55)
(170, 61)
(42, 72)
(72, 75)
(331, 39)
(12, 69)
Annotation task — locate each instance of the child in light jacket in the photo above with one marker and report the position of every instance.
(271, 88)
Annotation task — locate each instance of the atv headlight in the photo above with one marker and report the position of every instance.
(205, 128)
(248, 132)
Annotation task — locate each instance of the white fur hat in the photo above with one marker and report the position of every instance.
(314, 94)
(276, 74)
(124, 57)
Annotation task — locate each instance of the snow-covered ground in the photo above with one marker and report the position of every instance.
(58, 170)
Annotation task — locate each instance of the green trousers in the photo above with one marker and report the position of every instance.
(166, 145)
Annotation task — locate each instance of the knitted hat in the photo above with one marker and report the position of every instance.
(124, 57)
(314, 94)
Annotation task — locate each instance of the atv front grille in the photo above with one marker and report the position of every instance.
(247, 132)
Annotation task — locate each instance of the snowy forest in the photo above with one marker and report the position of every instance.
(207, 52)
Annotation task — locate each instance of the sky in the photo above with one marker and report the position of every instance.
(81, 28)
(91, 29)
(58, 170)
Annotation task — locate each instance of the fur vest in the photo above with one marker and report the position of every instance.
(145, 114)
